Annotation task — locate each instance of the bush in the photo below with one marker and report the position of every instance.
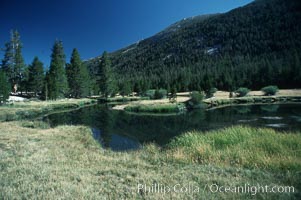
(196, 100)
(270, 90)
(242, 91)
(196, 97)
(210, 92)
(156, 94)
(160, 94)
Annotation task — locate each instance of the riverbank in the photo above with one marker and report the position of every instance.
(66, 162)
(221, 98)
(216, 103)
(32, 109)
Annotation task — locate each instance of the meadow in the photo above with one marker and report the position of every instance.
(67, 163)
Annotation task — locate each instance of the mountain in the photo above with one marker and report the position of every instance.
(253, 46)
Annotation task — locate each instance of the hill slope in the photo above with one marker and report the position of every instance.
(253, 46)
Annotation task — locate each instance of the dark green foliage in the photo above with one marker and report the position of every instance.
(210, 92)
(107, 80)
(150, 94)
(196, 100)
(13, 63)
(78, 77)
(45, 90)
(57, 80)
(8, 61)
(241, 92)
(252, 46)
(4, 87)
(125, 89)
(160, 94)
(270, 90)
(156, 94)
(35, 82)
(173, 95)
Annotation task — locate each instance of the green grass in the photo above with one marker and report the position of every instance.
(242, 147)
(156, 108)
(67, 163)
(29, 110)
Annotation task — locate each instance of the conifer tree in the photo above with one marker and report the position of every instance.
(78, 76)
(125, 89)
(57, 80)
(107, 82)
(13, 62)
(36, 76)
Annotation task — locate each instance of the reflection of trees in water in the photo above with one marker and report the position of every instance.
(269, 108)
(242, 109)
(104, 119)
(159, 129)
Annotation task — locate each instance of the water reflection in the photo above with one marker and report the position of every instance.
(122, 131)
(269, 108)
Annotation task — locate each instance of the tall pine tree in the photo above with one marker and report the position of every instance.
(13, 62)
(57, 81)
(78, 76)
(36, 76)
(107, 82)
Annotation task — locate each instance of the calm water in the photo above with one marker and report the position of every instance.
(121, 131)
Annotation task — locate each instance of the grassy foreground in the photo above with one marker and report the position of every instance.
(67, 163)
(29, 110)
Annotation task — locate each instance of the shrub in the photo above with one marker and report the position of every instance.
(196, 100)
(210, 92)
(150, 93)
(270, 90)
(160, 94)
(156, 94)
(242, 91)
(196, 97)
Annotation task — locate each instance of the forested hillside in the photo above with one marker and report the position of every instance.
(251, 46)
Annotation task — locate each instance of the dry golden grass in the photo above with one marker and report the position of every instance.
(67, 163)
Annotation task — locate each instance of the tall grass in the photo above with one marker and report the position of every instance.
(240, 146)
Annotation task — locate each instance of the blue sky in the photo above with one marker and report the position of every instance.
(93, 26)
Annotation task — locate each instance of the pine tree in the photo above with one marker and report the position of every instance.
(13, 62)
(19, 61)
(78, 76)
(57, 80)
(4, 87)
(8, 60)
(107, 82)
(36, 76)
(125, 89)
(207, 85)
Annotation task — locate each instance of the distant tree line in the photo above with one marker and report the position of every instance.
(61, 80)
